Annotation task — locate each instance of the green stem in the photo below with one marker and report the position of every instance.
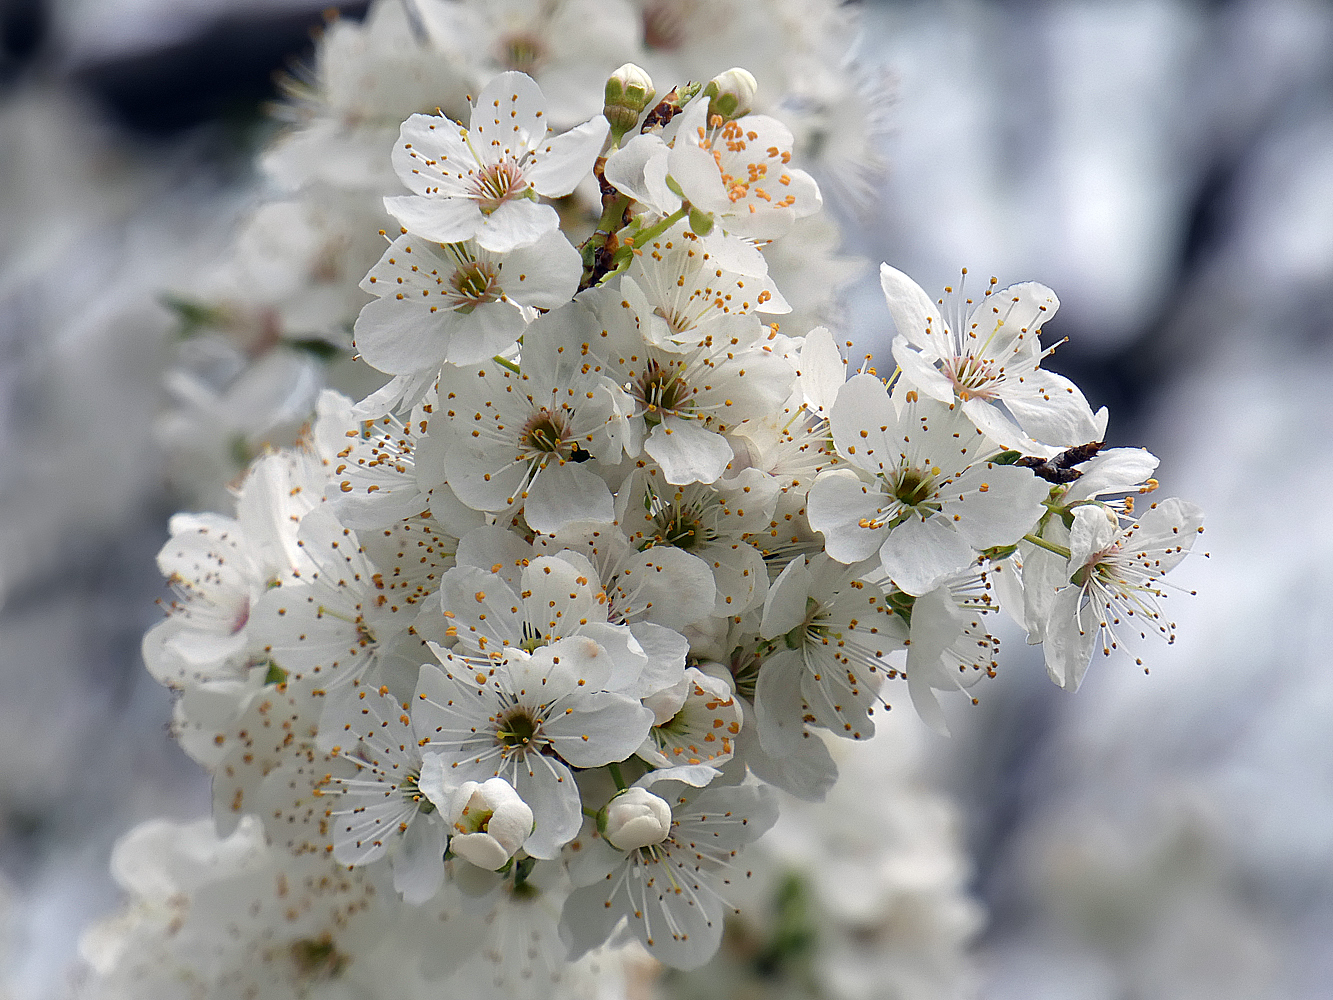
(655, 230)
(1041, 543)
(613, 214)
(506, 364)
(616, 776)
(590, 813)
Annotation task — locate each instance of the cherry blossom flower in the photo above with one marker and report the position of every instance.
(482, 182)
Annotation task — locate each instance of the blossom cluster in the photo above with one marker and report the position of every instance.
(505, 659)
(266, 324)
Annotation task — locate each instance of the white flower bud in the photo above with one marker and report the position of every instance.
(634, 818)
(731, 93)
(628, 91)
(488, 822)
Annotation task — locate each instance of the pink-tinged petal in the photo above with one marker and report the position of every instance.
(563, 494)
(444, 220)
(545, 275)
(914, 313)
(918, 555)
(687, 451)
(837, 505)
(920, 372)
(560, 163)
(519, 222)
(509, 117)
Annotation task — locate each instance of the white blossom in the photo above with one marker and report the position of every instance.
(930, 498)
(671, 892)
(482, 182)
(1115, 583)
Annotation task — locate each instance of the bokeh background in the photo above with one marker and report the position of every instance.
(1166, 167)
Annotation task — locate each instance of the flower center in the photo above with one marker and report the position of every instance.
(408, 786)
(662, 388)
(317, 958)
(664, 24)
(545, 432)
(496, 183)
(474, 285)
(971, 377)
(522, 52)
(680, 528)
(517, 730)
(915, 489)
(684, 523)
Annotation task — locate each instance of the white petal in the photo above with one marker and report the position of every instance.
(418, 865)
(444, 220)
(687, 451)
(837, 505)
(785, 606)
(563, 494)
(1069, 644)
(508, 118)
(918, 554)
(488, 330)
(544, 275)
(1000, 504)
(401, 338)
(920, 372)
(823, 371)
(516, 223)
(913, 311)
(778, 704)
(565, 160)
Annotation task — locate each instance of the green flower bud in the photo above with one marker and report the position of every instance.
(628, 91)
(731, 94)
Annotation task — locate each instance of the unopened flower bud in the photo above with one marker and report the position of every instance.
(628, 91)
(634, 818)
(731, 94)
(488, 822)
